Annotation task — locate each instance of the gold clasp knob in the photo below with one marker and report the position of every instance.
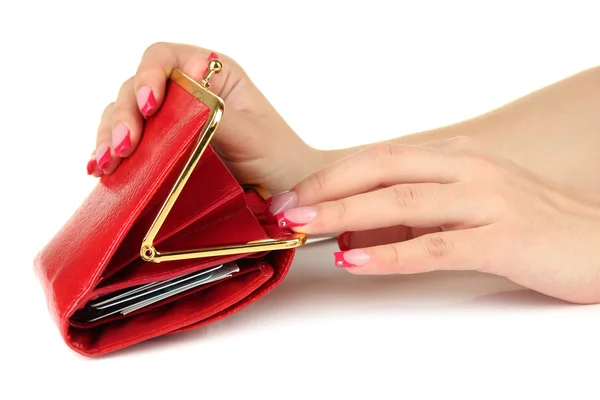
(214, 67)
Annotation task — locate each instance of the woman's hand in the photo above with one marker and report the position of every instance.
(253, 140)
(445, 206)
(260, 148)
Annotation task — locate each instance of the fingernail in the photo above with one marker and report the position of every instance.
(282, 201)
(121, 139)
(352, 258)
(103, 156)
(297, 217)
(146, 101)
(92, 166)
(212, 56)
(344, 241)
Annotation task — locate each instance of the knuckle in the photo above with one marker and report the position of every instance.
(436, 246)
(120, 113)
(341, 209)
(497, 203)
(391, 260)
(319, 180)
(108, 109)
(231, 63)
(157, 48)
(147, 75)
(157, 58)
(482, 165)
(382, 153)
(489, 201)
(405, 196)
(126, 86)
(461, 142)
(395, 256)
(235, 75)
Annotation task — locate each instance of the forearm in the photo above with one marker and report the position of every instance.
(554, 132)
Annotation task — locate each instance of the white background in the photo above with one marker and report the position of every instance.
(322, 333)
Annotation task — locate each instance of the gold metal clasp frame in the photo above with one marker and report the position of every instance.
(148, 252)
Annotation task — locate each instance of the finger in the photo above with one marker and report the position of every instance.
(372, 237)
(160, 59)
(126, 122)
(106, 160)
(380, 236)
(377, 166)
(454, 250)
(454, 143)
(422, 205)
(92, 166)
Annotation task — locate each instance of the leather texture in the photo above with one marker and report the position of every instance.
(97, 251)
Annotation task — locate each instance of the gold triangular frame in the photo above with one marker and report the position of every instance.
(148, 252)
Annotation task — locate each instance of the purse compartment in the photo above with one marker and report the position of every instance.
(98, 247)
(172, 315)
(237, 226)
(210, 193)
(258, 274)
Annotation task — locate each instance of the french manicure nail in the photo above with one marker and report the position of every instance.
(296, 217)
(103, 156)
(146, 101)
(282, 201)
(351, 258)
(344, 241)
(92, 166)
(121, 139)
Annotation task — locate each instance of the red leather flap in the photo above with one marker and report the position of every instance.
(71, 264)
(210, 191)
(237, 226)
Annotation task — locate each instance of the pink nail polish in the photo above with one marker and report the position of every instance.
(351, 258)
(282, 201)
(146, 101)
(344, 241)
(297, 217)
(103, 156)
(121, 139)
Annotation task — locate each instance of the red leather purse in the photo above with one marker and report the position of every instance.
(170, 209)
